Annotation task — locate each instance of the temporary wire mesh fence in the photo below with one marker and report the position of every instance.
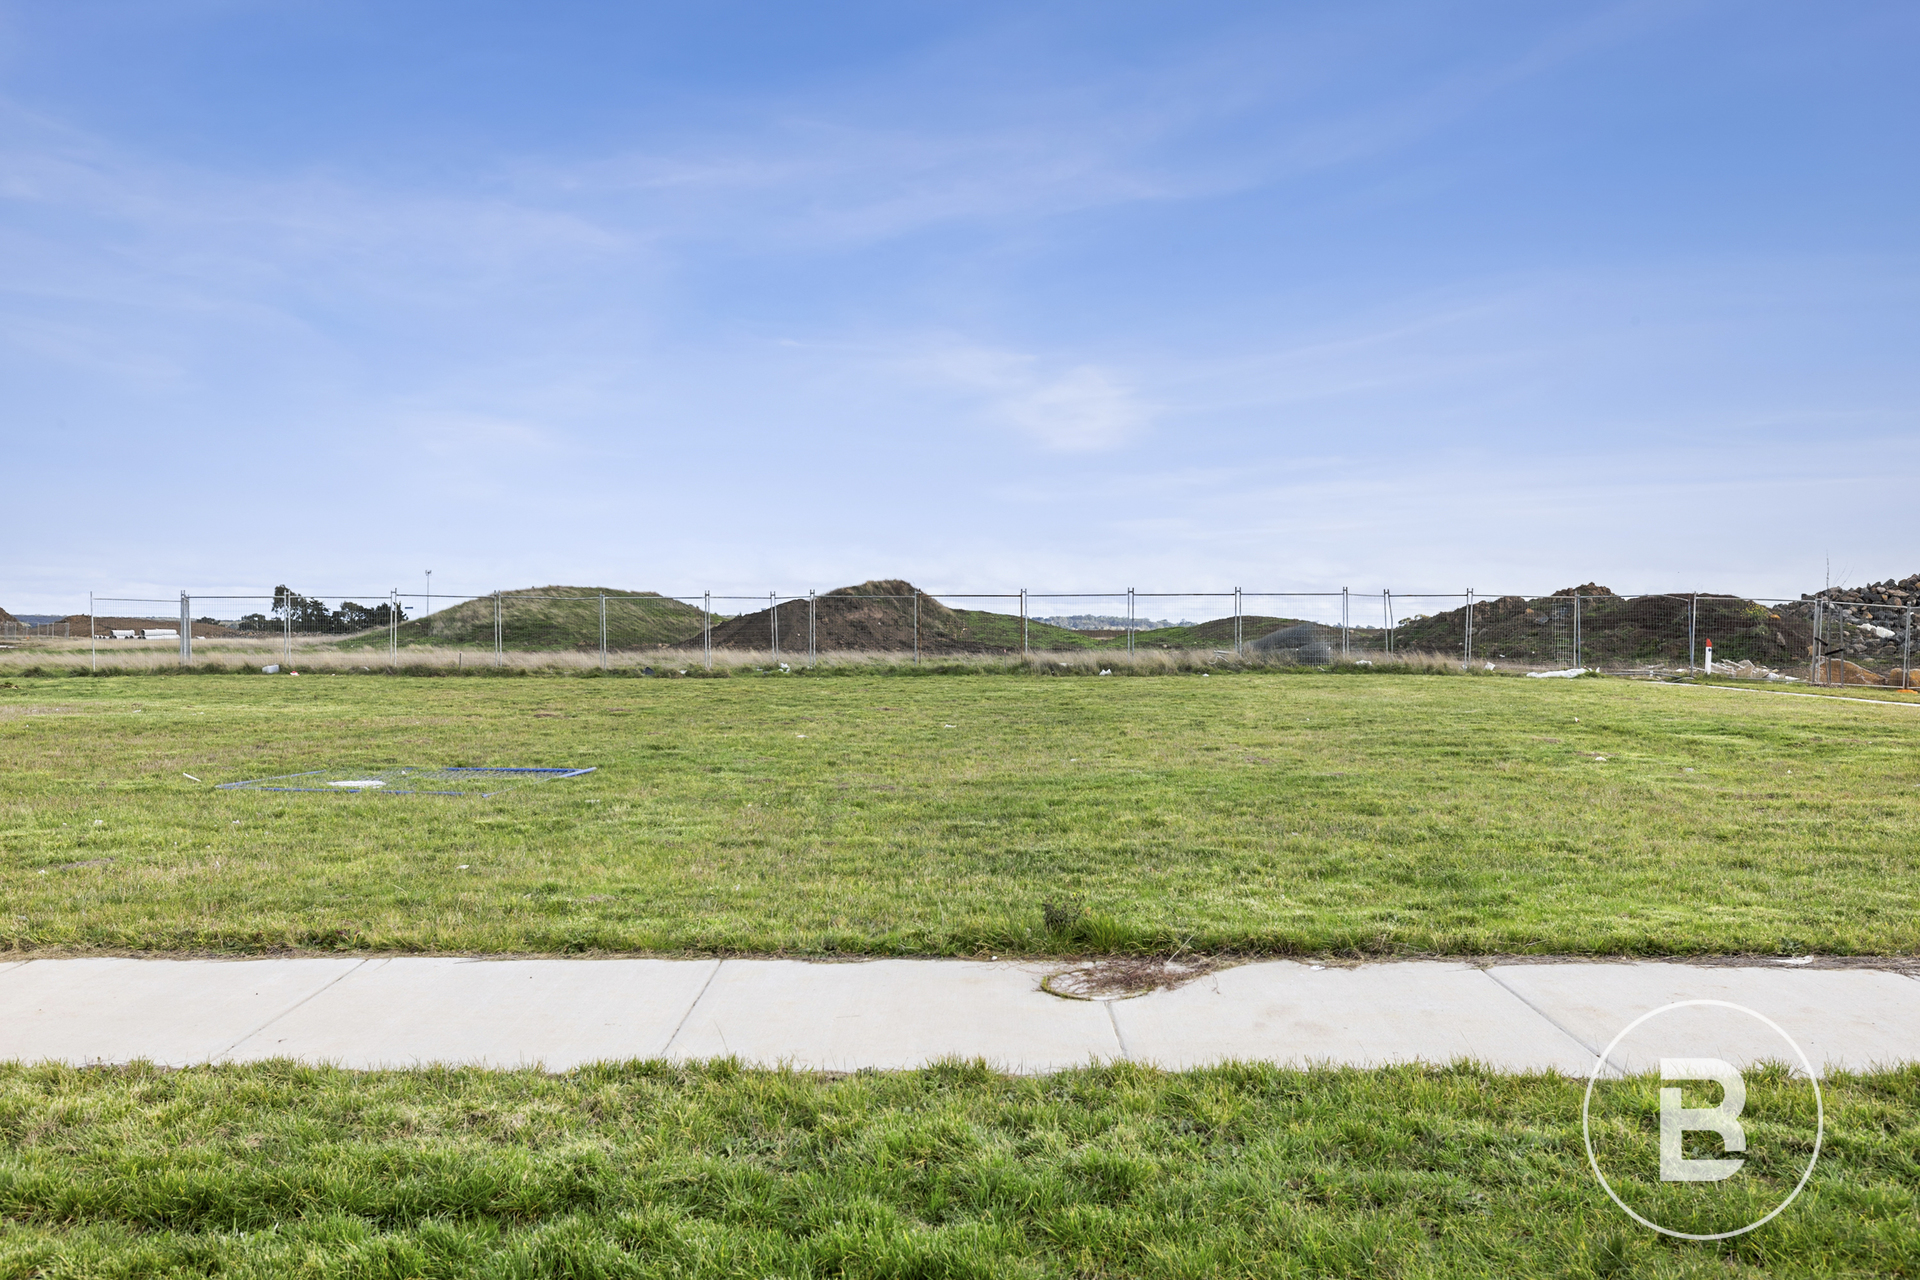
(1813, 639)
(14, 630)
(442, 780)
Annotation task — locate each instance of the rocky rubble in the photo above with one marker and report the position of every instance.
(1872, 620)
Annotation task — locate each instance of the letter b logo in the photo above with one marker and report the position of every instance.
(1676, 1120)
(1769, 1127)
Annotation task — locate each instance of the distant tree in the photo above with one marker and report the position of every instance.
(306, 613)
(313, 617)
(362, 617)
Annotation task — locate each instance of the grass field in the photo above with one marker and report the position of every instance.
(646, 1170)
(937, 814)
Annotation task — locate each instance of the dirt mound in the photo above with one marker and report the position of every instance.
(1615, 630)
(7, 617)
(875, 616)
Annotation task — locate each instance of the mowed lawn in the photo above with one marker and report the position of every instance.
(937, 814)
(648, 1170)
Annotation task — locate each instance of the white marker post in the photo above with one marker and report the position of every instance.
(1709, 657)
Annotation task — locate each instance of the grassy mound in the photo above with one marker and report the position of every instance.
(529, 620)
(878, 616)
(1614, 630)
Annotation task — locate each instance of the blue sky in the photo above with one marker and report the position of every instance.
(1068, 296)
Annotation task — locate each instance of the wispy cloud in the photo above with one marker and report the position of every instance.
(1065, 408)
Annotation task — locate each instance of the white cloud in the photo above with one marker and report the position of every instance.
(1082, 408)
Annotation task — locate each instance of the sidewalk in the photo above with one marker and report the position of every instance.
(560, 1013)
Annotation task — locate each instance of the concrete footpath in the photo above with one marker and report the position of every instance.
(559, 1013)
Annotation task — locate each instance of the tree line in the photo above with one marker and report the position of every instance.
(310, 615)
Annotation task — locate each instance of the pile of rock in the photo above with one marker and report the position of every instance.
(1881, 601)
(1873, 618)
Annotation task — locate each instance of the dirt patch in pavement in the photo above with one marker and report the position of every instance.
(1123, 977)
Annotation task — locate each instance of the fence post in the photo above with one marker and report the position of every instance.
(1469, 657)
(773, 620)
(1906, 651)
(1576, 628)
(810, 635)
(286, 630)
(916, 626)
(1386, 615)
(1024, 652)
(1693, 613)
(1239, 625)
(603, 631)
(93, 632)
(1813, 650)
(1344, 601)
(186, 629)
(706, 627)
(496, 627)
(1129, 622)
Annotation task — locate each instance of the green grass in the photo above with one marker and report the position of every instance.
(982, 626)
(1263, 812)
(648, 1170)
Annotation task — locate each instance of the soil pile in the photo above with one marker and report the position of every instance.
(1616, 630)
(7, 617)
(878, 616)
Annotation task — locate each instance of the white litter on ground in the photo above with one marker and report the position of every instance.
(445, 780)
(1568, 674)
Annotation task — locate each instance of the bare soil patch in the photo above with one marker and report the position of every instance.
(1123, 977)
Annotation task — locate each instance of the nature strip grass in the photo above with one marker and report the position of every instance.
(650, 1170)
(937, 815)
